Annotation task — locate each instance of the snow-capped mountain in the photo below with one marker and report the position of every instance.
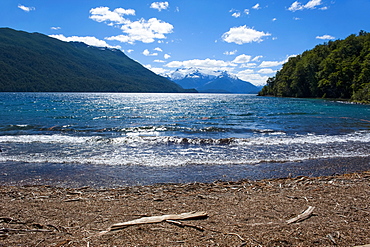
(207, 81)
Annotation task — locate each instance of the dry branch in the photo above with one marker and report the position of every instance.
(306, 214)
(181, 224)
(158, 219)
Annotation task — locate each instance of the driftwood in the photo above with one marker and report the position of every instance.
(306, 214)
(158, 219)
(181, 224)
(23, 230)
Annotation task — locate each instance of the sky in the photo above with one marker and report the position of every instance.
(248, 38)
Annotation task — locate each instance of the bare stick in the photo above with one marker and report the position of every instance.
(306, 214)
(158, 219)
(181, 224)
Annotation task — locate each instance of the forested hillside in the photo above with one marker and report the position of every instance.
(336, 69)
(33, 62)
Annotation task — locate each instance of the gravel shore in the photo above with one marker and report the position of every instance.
(243, 213)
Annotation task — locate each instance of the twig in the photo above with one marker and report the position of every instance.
(235, 234)
(178, 223)
(23, 230)
(157, 219)
(305, 215)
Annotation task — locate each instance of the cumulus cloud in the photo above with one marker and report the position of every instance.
(158, 71)
(159, 5)
(326, 36)
(143, 30)
(158, 49)
(257, 6)
(26, 9)
(242, 59)
(267, 64)
(146, 31)
(312, 4)
(89, 40)
(166, 56)
(205, 63)
(229, 53)
(146, 52)
(266, 71)
(103, 14)
(55, 28)
(243, 34)
(236, 14)
(252, 77)
(257, 58)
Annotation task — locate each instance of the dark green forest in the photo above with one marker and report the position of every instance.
(33, 62)
(337, 69)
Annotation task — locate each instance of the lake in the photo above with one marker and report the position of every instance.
(120, 139)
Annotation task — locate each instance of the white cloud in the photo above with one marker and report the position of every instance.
(266, 71)
(158, 71)
(312, 4)
(256, 58)
(26, 9)
(89, 40)
(146, 52)
(55, 28)
(145, 31)
(266, 64)
(248, 65)
(205, 63)
(326, 36)
(103, 14)
(158, 49)
(257, 6)
(229, 53)
(242, 59)
(243, 34)
(295, 6)
(166, 56)
(129, 50)
(159, 5)
(159, 61)
(274, 19)
(254, 78)
(236, 14)
(246, 11)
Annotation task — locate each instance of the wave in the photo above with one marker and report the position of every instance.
(154, 137)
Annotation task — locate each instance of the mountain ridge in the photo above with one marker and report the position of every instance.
(211, 81)
(34, 62)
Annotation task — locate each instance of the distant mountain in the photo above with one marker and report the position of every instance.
(33, 62)
(211, 81)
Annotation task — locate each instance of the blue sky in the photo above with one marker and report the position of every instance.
(248, 38)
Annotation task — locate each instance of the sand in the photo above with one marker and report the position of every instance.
(243, 213)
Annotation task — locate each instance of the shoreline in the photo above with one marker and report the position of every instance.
(102, 176)
(242, 213)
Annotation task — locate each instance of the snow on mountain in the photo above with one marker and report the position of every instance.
(209, 81)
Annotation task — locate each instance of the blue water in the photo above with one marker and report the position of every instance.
(172, 130)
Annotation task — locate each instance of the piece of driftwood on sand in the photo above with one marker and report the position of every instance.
(305, 215)
(158, 219)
